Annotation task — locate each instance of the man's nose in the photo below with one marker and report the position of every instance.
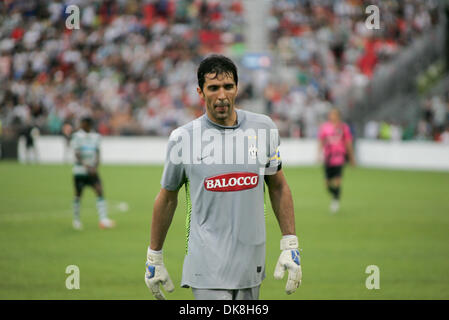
(221, 94)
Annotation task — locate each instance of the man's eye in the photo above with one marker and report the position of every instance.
(229, 86)
(213, 88)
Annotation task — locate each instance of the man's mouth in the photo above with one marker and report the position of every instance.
(221, 107)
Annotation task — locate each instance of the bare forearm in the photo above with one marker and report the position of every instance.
(97, 161)
(80, 161)
(163, 211)
(320, 151)
(282, 204)
(350, 150)
(78, 157)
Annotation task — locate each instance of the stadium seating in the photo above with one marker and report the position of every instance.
(132, 64)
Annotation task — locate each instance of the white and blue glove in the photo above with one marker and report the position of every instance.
(156, 274)
(289, 260)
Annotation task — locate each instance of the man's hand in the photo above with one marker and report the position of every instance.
(91, 170)
(352, 162)
(156, 274)
(289, 260)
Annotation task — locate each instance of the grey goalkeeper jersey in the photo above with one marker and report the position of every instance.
(223, 171)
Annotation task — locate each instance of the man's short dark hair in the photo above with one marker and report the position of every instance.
(88, 120)
(216, 64)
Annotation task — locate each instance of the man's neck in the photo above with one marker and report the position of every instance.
(229, 122)
(336, 123)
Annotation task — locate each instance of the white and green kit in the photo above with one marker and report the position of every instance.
(87, 144)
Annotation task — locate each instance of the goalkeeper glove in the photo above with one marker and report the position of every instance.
(289, 260)
(156, 274)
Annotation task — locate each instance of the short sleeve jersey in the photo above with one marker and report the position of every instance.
(223, 171)
(87, 145)
(334, 139)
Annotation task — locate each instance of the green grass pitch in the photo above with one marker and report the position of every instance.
(397, 220)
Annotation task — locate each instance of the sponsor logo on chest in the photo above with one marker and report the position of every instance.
(235, 181)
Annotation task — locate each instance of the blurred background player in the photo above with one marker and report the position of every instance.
(30, 132)
(335, 143)
(86, 147)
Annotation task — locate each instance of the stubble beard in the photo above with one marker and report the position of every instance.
(221, 115)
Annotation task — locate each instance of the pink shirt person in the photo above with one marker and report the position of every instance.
(334, 138)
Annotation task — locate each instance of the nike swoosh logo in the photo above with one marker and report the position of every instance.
(202, 158)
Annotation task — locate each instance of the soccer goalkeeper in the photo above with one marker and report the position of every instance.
(225, 250)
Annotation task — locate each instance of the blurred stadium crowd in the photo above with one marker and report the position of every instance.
(432, 124)
(132, 64)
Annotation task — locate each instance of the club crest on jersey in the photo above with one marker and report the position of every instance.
(235, 181)
(252, 151)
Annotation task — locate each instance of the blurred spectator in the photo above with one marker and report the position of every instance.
(434, 118)
(439, 111)
(396, 132)
(424, 130)
(385, 131)
(444, 138)
(371, 130)
(408, 133)
(30, 133)
(428, 112)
